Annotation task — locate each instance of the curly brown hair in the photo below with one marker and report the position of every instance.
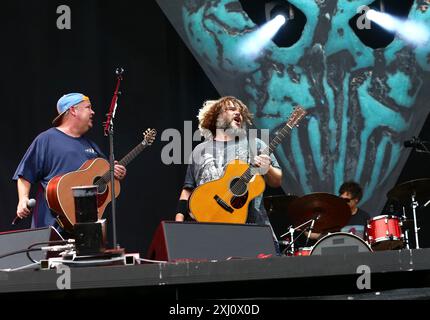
(208, 115)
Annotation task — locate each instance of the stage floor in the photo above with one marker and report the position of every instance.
(335, 276)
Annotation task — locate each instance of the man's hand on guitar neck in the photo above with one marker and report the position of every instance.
(272, 176)
(262, 162)
(119, 171)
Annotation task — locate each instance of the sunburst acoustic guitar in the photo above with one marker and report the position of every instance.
(226, 200)
(93, 172)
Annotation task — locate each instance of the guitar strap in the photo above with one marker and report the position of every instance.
(250, 153)
(221, 161)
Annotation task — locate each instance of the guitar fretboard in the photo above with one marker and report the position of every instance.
(105, 178)
(252, 171)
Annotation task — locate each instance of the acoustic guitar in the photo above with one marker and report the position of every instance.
(226, 200)
(93, 172)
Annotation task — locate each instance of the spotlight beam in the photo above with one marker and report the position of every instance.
(257, 40)
(410, 31)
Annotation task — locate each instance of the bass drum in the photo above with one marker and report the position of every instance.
(340, 243)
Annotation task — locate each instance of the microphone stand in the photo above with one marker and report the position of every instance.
(311, 229)
(417, 145)
(423, 149)
(108, 131)
(291, 231)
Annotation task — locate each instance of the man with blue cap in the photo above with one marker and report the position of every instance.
(56, 151)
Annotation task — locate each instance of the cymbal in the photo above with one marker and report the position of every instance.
(332, 211)
(278, 203)
(403, 192)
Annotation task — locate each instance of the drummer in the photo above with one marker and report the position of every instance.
(352, 193)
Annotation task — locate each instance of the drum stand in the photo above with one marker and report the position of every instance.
(290, 244)
(414, 206)
(406, 230)
(291, 231)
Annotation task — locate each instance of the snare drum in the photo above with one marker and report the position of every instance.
(385, 233)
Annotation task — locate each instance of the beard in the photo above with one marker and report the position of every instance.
(227, 126)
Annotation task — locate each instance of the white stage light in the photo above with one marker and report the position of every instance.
(280, 20)
(384, 20)
(410, 31)
(257, 40)
(415, 32)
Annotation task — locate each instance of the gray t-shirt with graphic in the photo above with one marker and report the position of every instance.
(208, 163)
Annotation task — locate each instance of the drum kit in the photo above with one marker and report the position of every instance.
(326, 214)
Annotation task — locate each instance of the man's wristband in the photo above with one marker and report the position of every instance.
(182, 207)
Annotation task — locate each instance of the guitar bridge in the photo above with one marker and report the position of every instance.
(223, 204)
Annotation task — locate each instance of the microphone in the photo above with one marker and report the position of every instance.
(31, 203)
(119, 71)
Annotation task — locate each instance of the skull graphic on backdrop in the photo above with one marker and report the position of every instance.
(362, 103)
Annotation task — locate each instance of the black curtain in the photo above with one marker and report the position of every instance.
(163, 86)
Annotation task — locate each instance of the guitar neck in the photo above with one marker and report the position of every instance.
(251, 171)
(126, 159)
(277, 140)
(133, 154)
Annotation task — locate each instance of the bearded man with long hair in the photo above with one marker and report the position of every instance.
(223, 123)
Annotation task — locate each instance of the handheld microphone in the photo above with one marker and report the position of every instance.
(31, 203)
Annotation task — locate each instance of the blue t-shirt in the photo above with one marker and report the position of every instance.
(52, 153)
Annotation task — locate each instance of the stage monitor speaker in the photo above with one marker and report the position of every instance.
(175, 241)
(21, 240)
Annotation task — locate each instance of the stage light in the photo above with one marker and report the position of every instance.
(416, 33)
(257, 40)
(384, 20)
(280, 20)
(279, 7)
(412, 32)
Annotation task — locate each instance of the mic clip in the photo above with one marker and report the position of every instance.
(417, 144)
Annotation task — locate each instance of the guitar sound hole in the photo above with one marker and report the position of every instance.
(238, 187)
(101, 186)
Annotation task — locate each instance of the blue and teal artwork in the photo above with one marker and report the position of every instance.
(362, 103)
